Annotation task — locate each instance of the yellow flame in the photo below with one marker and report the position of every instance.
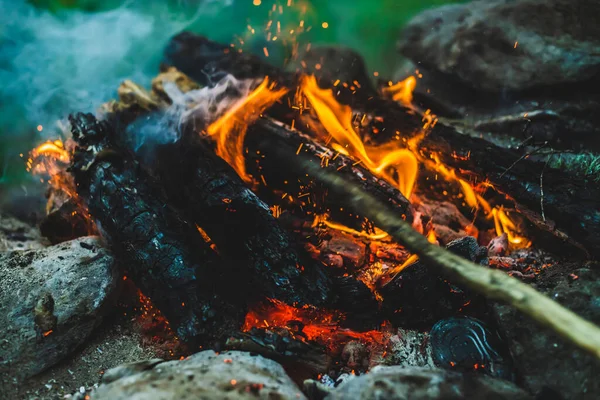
(48, 158)
(230, 129)
(402, 91)
(322, 219)
(504, 224)
(396, 165)
(55, 150)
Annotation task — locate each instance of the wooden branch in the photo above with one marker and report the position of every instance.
(493, 284)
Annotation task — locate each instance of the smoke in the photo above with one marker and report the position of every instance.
(55, 64)
(52, 64)
(199, 106)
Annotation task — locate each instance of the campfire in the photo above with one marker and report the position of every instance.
(231, 194)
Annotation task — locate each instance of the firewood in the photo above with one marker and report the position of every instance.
(493, 284)
(272, 147)
(163, 254)
(562, 201)
(246, 234)
(209, 192)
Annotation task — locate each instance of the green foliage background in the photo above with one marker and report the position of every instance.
(369, 26)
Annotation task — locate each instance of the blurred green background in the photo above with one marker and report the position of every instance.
(59, 56)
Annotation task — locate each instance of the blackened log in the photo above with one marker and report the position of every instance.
(208, 62)
(420, 295)
(209, 192)
(272, 147)
(278, 344)
(569, 200)
(164, 255)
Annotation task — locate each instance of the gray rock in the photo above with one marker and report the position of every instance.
(545, 362)
(558, 42)
(50, 301)
(18, 235)
(204, 375)
(425, 384)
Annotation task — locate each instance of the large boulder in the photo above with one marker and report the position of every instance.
(51, 300)
(507, 44)
(204, 375)
(425, 384)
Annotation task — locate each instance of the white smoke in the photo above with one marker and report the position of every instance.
(198, 107)
(53, 64)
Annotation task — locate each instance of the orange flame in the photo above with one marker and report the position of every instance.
(230, 129)
(48, 157)
(396, 165)
(402, 91)
(51, 159)
(503, 223)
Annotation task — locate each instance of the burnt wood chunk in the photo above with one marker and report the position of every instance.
(260, 252)
(163, 254)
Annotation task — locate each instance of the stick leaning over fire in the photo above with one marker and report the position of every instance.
(494, 284)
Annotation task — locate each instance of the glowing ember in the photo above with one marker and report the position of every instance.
(307, 323)
(229, 130)
(402, 91)
(396, 165)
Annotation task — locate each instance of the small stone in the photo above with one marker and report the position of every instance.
(398, 383)
(46, 310)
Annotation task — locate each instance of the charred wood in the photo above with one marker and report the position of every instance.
(246, 234)
(277, 145)
(281, 345)
(419, 295)
(164, 255)
(567, 203)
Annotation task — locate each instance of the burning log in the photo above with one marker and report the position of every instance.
(566, 202)
(164, 255)
(277, 145)
(241, 226)
(493, 284)
(209, 192)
